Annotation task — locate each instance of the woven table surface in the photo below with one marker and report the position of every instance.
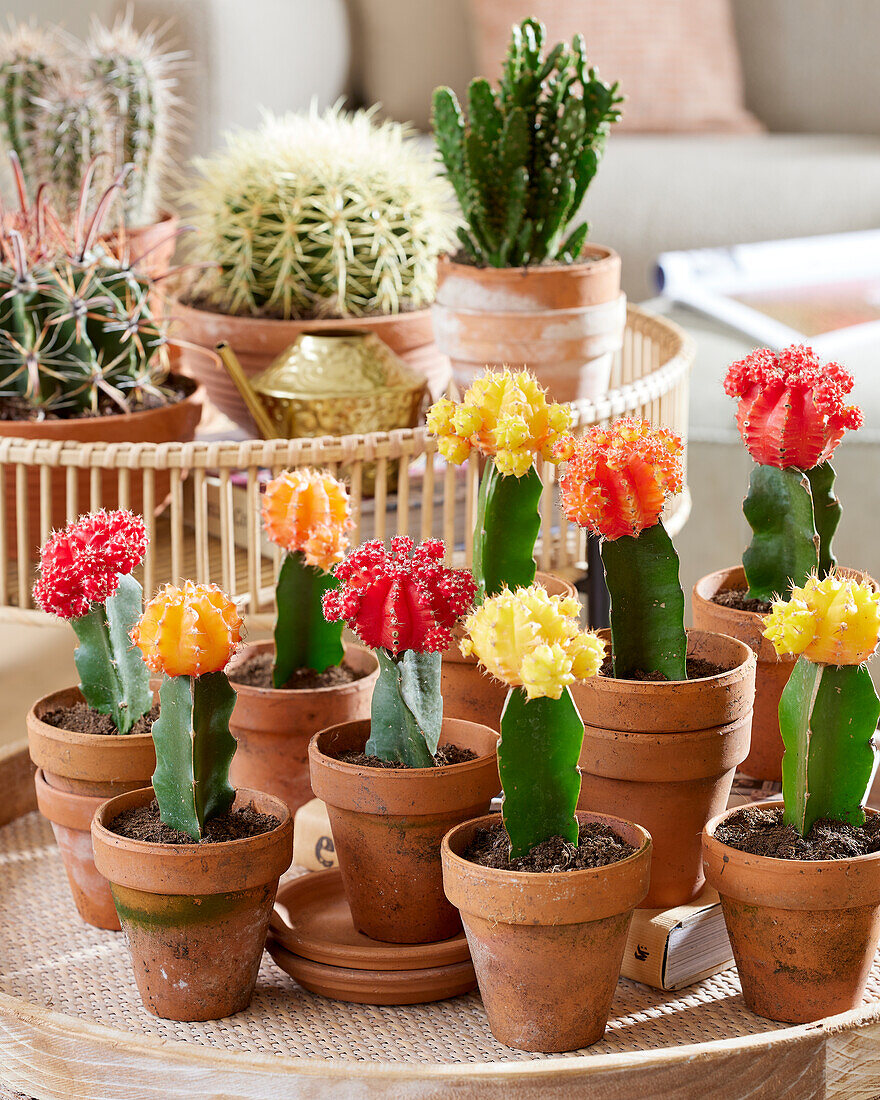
(50, 958)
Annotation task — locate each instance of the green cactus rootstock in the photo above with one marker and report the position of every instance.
(507, 524)
(113, 677)
(538, 764)
(407, 709)
(785, 546)
(826, 513)
(303, 637)
(647, 604)
(827, 717)
(194, 749)
(521, 163)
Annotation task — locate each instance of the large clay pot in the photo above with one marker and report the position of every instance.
(79, 771)
(387, 824)
(765, 755)
(468, 691)
(664, 754)
(256, 341)
(804, 932)
(195, 916)
(547, 948)
(273, 727)
(175, 423)
(563, 321)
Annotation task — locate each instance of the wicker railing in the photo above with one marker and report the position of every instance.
(209, 527)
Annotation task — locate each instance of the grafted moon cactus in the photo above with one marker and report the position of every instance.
(829, 708)
(792, 413)
(189, 634)
(85, 577)
(615, 484)
(403, 603)
(506, 417)
(532, 642)
(306, 512)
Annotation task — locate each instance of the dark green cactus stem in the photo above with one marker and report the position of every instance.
(113, 677)
(826, 512)
(521, 163)
(303, 637)
(194, 749)
(647, 605)
(827, 718)
(505, 530)
(407, 709)
(537, 761)
(785, 547)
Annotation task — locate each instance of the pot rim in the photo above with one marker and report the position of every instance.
(69, 809)
(719, 680)
(371, 322)
(75, 737)
(606, 257)
(251, 691)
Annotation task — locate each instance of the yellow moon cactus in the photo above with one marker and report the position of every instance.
(532, 640)
(835, 621)
(308, 510)
(188, 631)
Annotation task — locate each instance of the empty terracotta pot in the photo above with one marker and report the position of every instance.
(664, 754)
(194, 915)
(273, 727)
(469, 692)
(765, 755)
(547, 948)
(804, 932)
(562, 321)
(71, 818)
(387, 824)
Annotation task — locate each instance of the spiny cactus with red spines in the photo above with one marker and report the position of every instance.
(792, 414)
(85, 577)
(403, 603)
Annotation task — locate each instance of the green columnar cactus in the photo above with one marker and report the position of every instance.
(523, 160)
(77, 331)
(531, 641)
(784, 549)
(188, 634)
(829, 709)
(29, 60)
(319, 215)
(85, 577)
(826, 513)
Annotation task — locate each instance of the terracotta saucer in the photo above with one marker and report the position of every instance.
(375, 987)
(319, 928)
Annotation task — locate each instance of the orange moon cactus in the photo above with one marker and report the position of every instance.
(188, 631)
(308, 511)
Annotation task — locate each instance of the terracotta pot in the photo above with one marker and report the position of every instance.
(804, 932)
(547, 948)
(71, 818)
(174, 423)
(256, 341)
(194, 915)
(156, 242)
(765, 755)
(387, 824)
(273, 727)
(563, 321)
(665, 753)
(469, 692)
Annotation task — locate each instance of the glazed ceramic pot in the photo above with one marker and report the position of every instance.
(194, 915)
(547, 947)
(468, 691)
(387, 824)
(257, 341)
(76, 773)
(273, 727)
(563, 321)
(804, 933)
(765, 755)
(664, 754)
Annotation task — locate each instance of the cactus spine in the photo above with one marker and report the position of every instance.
(522, 161)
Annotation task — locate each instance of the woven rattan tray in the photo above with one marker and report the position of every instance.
(72, 1026)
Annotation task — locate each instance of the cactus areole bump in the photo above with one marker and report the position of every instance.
(188, 634)
(792, 414)
(403, 603)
